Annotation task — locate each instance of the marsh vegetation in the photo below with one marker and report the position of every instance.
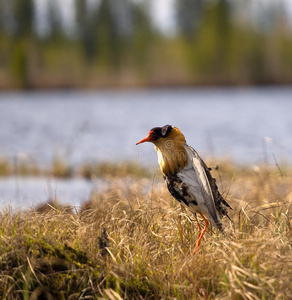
(125, 243)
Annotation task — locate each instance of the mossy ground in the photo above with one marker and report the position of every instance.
(126, 243)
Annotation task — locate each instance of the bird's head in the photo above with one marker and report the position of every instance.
(165, 134)
(156, 134)
(168, 143)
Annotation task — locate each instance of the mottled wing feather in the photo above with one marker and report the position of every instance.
(195, 188)
(185, 188)
(173, 184)
(180, 191)
(204, 184)
(217, 197)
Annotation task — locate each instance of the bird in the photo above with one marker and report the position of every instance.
(188, 178)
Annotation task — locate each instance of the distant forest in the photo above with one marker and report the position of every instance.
(115, 43)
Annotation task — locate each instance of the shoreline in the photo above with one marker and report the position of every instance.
(154, 86)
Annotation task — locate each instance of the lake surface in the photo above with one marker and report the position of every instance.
(247, 125)
(30, 192)
(106, 125)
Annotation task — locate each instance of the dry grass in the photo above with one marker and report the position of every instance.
(130, 244)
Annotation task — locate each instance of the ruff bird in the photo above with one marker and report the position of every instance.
(187, 177)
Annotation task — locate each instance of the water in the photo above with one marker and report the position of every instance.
(247, 125)
(29, 192)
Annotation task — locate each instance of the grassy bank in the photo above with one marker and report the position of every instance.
(125, 244)
(61, 169)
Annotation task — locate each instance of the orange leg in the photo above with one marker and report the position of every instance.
(199, 226)
(201, 235)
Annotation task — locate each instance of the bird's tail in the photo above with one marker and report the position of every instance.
(219, 226)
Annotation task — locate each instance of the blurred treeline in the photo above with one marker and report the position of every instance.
(118, 43)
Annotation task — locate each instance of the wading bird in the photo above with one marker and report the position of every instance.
(187, 177)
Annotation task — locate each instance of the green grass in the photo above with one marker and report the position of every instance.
(128, 244)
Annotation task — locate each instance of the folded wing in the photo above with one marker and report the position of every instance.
(199, 184)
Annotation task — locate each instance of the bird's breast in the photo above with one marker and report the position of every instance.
(172, 157)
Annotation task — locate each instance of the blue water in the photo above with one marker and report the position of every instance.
(240, 123)
(30, 192)
(245, 125)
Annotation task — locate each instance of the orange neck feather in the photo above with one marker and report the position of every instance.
(171, 154)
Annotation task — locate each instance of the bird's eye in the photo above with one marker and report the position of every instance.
(153, 136)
